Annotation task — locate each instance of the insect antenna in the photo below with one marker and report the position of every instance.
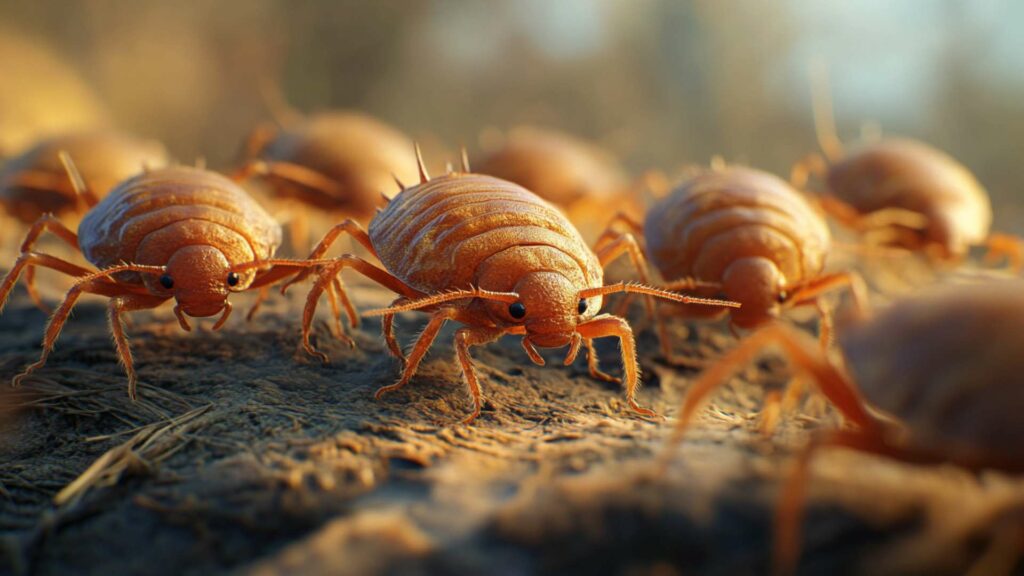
(77, 182)
(424, 175)
(632, 288)
(824, 117)
(434, 299)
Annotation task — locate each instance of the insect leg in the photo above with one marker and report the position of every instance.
(387, 326)
(50, 223)
(802, 352)
(593, 364)
(261, 297)
(325, 277)
(98, 283)
(813, 289)
(127, 303)
(607, 325)
(31, 259)
(419, 350)
(611, 231)
(465, 338)
(297, 174)
(350, 227)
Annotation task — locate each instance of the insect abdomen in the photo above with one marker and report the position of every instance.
(434, 236)
(720, 216)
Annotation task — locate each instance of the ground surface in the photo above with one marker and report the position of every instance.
(245, 455)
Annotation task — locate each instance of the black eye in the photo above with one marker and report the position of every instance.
(232, 279)
(582, 307)
(782, 297)
(517, 310)
(167, 282)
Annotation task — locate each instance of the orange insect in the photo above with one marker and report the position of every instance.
(932, 379)
(903, 193)
(489, 254)
(163, 234)
(738, 231)
(34, 183)
(338, 162)
(573, 174)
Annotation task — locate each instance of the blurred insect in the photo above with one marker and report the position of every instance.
(741, 232)
(336, 162)
(166, 233)
(34, 183)
(932, 379)
(577, 176)
(902, 193)
(493, 256)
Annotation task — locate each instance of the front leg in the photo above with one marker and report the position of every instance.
(464, 339)
(96, 283)
(608, 325)
(128, 303)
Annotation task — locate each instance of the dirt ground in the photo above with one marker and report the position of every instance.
(244, 455)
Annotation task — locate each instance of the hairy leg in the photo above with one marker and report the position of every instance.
(607, 325)
(27, 261)
(419, 350)
(45, 223)
(593, 364)
(98, 283)
(465, 338)
(119, 305)
(325, 278)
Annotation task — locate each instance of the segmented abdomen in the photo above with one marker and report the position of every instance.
(720, 216)
(163, 210)
(435, 235)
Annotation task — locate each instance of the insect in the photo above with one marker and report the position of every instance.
(577, 176)
(34, 183)
(903, 193)
(493, 256)
(735, 230)
(170, 233)
(338, 162)
(931, 379)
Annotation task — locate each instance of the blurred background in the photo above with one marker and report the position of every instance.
(660, 83)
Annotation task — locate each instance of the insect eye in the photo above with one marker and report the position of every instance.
(233, 279)
(517, 310)
(166, 281)
(582, 307)
(783, 296)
